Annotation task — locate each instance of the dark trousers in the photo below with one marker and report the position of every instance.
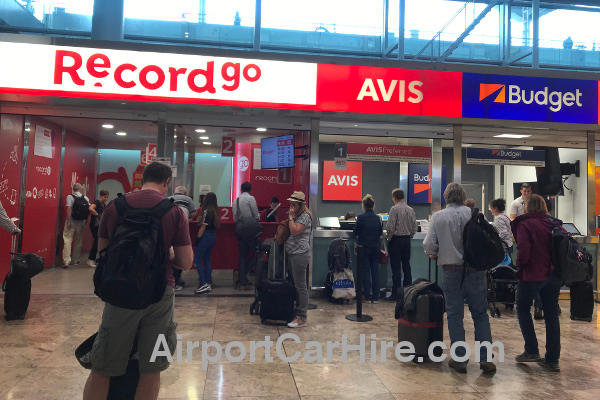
(370, 264)
(549, 291)
(399, 250)
(94, 249)
(247, 252)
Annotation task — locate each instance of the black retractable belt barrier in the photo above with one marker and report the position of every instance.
(359, 316)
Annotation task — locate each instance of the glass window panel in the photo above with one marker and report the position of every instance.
(446, 24)
(43, 15)
(352, 25)
(576, 42)
(229, 21)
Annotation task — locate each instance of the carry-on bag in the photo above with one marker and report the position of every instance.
(121, 387)
(17, 284)
(420, 315)
(582, 301)
(276, 294)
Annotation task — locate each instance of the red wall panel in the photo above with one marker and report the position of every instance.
(41, 197)
(80, 165)
(11, 161)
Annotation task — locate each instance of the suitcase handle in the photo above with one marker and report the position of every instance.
(436, 271)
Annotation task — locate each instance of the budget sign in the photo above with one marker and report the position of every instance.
(523, 98)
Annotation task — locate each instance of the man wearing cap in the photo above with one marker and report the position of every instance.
(517, 207)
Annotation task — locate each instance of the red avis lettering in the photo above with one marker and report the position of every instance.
(343, 180)
(396, 89)
(68, 65)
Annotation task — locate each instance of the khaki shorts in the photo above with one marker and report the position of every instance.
(118, 331)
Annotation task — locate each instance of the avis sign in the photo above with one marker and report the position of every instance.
(342, 185)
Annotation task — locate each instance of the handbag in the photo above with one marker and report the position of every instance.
(283, 232)
(383, 258)
(247, 230)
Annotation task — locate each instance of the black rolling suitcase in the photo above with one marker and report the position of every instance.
(276, 294)
(582, 301)
(422, 322)
(17, 284)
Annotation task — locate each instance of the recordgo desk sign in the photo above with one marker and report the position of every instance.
(530, 98)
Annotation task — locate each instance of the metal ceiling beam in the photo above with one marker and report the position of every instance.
(467, 31)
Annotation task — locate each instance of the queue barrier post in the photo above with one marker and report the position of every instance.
(359, 316)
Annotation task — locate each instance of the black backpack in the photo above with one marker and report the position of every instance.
(338, 256)
(131, 271)
(80, 209)
(573, 263)
(483, 248)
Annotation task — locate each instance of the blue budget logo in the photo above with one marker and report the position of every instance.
(530, 98)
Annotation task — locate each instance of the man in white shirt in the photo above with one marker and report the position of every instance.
(517, 207)
(77, 212)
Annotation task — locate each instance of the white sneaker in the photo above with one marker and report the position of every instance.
(91, 263)
(297, 323)
(204, 288)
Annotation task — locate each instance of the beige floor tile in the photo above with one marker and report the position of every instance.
(237, 380)
(332, 379)
(50, 384)
(182, 380)
(227, 331)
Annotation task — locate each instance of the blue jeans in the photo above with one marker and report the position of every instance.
(204, 246)
(548, 291)
(371, 273)
(474, 291)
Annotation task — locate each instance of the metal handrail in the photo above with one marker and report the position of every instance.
(439, 33)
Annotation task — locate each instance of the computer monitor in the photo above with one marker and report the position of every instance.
(329, 222)
(571, 228)
(385, 217)
(347, 225)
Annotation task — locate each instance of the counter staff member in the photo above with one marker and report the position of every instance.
(517, 207)
(401, 227)
(270, 214)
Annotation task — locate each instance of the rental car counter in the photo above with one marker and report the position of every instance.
(419, 261)
(323, 237)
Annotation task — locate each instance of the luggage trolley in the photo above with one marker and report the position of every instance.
(502, 288)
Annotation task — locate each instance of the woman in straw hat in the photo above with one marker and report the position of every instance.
(297, 247)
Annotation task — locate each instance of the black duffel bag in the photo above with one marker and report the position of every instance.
(26, 265)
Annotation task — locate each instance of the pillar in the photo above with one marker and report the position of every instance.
(108, 20)
(457, 154)
(591, 183)
(436, 175)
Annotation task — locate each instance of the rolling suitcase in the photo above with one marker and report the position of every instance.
(582, 301)
(17, 289)
(425, 324)
(277, 294)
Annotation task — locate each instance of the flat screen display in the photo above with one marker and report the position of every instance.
(277, 152)
(571, 228)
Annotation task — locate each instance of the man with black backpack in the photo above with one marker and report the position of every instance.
(444, 242)
(77, 212)
(142, 237)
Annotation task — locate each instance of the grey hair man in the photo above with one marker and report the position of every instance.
(183, 200)
(444, 242)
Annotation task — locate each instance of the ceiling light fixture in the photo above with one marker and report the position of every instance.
(199, 130)
(207, 143)
(203, 137)
(121, 133)
(108, 126)
(511, 136)
(260, 129)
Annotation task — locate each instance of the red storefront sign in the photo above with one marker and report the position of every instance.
(348, 88)
(342, 185)
(151, 152)
(388, 153)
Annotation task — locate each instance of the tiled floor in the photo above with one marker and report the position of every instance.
(37, 362)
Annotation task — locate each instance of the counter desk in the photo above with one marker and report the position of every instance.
(418, 260)
(322, 238)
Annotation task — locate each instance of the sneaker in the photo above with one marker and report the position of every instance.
(549, 365)
(178, 288)
(461, 368)
(91, 263)
(297, 323)
(203, 288)
(526, 357)
(538, 313)
(65, 266)
(488, 367)
(374, 301)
